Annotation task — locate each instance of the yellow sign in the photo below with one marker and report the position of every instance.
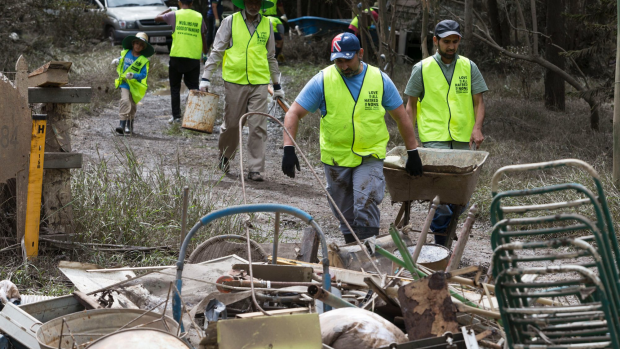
(35, 186)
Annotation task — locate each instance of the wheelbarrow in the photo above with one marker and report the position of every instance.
(277, 208)
(448, 173)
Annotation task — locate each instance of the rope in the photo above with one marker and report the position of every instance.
(331, 200)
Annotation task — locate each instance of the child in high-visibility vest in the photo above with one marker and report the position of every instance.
(132, 68)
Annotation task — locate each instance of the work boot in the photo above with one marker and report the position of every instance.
(255, 176)
(121, 129)
(131, 125)
(174, 119)
(223, 164)
(128, 127)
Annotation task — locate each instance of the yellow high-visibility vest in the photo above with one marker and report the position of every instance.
(446, 112)
(136, 88)
(187, 35)
(272, 11)
(245, 62)
(351, 130)
(274, 22)
(355, 21)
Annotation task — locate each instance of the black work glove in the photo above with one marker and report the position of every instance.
(290, 161)
(414, 163)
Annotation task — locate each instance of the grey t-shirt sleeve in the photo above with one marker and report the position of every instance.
(415, 86)
(477, 81)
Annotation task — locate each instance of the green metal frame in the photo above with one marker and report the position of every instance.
(522, 318)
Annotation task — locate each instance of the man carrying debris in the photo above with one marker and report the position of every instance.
(132, 68)
(245, 46)
(189, 42)
(445, 98)
(353, 98)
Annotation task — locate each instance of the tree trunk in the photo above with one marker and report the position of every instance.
(554, 84)
(505, 27)
(494, 18)
(298, 8)
(423, 40)
(469, 28)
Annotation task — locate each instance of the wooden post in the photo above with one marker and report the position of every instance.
(21, 190)
(616, 152)
(457, 255)
(57, 182)
(309, 246)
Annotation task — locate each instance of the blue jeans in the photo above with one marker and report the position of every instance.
(443, 214)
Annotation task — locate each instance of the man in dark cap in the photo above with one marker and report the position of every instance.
(445, 98)
(353, 98)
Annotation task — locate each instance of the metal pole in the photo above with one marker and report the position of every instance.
(184, 214)
(616, 154)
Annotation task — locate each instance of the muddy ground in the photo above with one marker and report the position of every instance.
(154, 141)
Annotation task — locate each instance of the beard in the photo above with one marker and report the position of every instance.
(252, 12)
(350, 72)
(445, 54)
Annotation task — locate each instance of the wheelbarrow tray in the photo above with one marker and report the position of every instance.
(454, 178)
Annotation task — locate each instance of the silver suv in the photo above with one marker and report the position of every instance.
(129, 17)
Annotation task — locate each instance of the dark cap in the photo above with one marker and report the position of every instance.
(447, 28)
(344, 45)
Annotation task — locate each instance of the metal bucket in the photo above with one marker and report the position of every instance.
(142, 338)
(87, 326)
(435, 257)
(200, 111)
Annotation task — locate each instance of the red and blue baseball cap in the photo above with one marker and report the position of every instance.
(344, 45)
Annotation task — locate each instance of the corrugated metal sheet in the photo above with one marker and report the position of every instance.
(33, 298)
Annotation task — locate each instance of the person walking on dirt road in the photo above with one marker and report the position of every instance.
(245, 46)
(132, 68)
(353, 97)
(189, 43)
(445, 98)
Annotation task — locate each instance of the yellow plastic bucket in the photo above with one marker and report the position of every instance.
(200, 111)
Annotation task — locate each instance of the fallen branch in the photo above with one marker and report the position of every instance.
(105, 247)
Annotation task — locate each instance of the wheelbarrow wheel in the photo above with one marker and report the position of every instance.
(225, 245)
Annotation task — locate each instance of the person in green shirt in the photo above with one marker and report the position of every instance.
(445, 99)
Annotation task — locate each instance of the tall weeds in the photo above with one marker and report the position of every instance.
(131, 203)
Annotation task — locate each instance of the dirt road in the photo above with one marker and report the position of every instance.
(156, 142)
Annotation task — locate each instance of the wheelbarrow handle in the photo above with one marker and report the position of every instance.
(542, 166)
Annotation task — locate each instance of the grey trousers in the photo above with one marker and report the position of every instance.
(357, 191)
(241, 99)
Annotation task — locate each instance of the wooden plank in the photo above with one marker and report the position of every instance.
(59, 94)
(60, 160)
(52, 74)
(88, 302)
(275, 312)
(309, 246)
(35, 183)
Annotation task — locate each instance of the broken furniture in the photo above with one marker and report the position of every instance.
(450, 174)
(278, 209)
(578, 271)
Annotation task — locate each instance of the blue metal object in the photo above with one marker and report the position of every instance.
(320, 26)
(176, 301)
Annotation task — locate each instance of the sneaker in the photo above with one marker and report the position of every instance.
(255, 176)
(173, 119)
(224, 164)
